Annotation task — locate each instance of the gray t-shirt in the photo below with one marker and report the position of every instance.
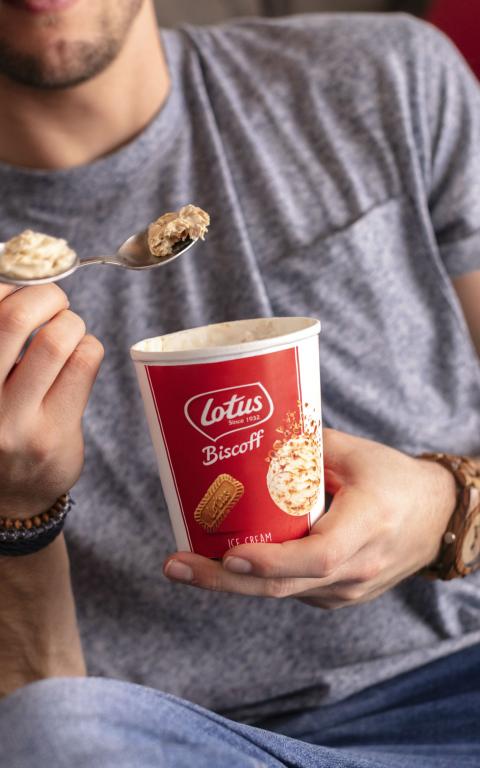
(339, 157)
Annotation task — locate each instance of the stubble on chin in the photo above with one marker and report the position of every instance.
(65, 63)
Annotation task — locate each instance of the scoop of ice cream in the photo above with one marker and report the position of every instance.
(294, 475)
(171, 228)
(34, 255)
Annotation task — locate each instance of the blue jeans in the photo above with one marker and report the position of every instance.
(426, 718)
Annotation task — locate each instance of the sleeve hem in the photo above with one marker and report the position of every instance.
(461, 256)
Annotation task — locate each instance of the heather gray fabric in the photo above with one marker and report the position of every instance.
(339, 158)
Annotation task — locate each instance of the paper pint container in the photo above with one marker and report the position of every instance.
(235, 418)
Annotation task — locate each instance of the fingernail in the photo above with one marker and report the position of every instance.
(237, 565)
(174, 569)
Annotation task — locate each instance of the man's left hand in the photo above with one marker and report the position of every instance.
(386, 521)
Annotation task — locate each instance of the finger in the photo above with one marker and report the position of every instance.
(345, 594)
(336, 538)
(340, 456)
(350, 582)
(6, 290)
(21, 313)
(72, 387)
(328, 599)
(209, 574)
(44, 359)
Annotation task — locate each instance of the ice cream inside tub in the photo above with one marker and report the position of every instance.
(224, 334)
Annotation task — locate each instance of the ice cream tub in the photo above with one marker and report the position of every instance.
(234, 413)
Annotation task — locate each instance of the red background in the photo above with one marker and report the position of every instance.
(460, 19)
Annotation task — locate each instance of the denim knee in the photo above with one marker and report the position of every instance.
(90, 722)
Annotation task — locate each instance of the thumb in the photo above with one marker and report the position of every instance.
(344, 529)
(340, 456)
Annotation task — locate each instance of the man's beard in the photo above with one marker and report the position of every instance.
(68, 63)
(81, 61)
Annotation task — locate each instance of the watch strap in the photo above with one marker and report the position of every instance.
(460, 548)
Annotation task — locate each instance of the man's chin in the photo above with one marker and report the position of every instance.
(58, 50)
(63, 65)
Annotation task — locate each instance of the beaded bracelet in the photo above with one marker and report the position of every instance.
(24, 537)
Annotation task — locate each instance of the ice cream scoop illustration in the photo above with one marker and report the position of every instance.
(294, 476)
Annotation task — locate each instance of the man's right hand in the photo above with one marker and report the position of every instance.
(42, 397)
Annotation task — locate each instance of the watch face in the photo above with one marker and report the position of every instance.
(471, 543)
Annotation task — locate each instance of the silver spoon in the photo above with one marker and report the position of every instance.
(134, 253)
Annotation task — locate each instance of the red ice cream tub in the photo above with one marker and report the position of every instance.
(234, 413)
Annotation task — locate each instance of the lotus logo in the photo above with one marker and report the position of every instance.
(222, 411)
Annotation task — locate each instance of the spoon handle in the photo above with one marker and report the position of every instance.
(92, 260)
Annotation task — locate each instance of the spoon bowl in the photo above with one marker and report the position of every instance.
(134, 253)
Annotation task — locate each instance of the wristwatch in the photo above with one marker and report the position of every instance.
(460, 548)
(24, 537)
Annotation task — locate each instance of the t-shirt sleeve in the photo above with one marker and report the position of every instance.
(453, 159)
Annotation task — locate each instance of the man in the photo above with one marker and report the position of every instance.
(339, 160)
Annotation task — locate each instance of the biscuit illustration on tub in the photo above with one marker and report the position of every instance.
(218, 502)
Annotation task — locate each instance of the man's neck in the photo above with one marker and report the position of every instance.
(69, 127)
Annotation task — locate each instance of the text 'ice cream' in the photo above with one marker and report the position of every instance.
(35, 255)
(189, 223)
